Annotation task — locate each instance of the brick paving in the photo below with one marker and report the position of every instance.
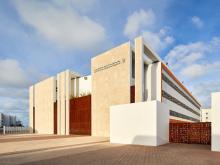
(170, 154)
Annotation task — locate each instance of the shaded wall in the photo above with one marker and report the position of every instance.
(144, 123)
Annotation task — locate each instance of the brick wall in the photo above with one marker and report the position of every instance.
(191, 133)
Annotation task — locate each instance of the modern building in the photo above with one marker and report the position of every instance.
(69, 103)
(206, 115)
(7, 120)
(1, 119)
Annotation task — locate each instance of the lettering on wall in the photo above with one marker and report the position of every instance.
(109, 65)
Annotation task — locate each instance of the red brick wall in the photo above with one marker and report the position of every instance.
(191, 133)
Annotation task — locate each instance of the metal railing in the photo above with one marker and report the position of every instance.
(15, 130)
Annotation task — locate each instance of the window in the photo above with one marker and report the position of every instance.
(206, 118)
(133, 65)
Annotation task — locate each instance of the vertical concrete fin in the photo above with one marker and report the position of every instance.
(139, 69)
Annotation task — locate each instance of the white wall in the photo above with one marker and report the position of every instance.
(206, 115)
(144, 123)
(215, 121)
(85, 85)
(154, 82)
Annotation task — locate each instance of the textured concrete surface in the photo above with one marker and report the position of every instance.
(99, 153)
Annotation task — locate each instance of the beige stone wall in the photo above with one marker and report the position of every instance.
(111, 76)
(139, 70)
(63, 96)
(44, 97)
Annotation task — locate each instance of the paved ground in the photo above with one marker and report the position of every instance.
(101, 152)
(17, 144)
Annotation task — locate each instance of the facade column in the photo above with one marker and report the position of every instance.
(139, 69)
(215, 121)
(63, 91)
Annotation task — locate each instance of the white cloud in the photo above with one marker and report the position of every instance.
(14, 81)
(198, 70)
(158, 41)
(16, 93)
(184, 55)
(203, 91)
(61, 25)
(138, 20)
(16, 107)
(196, 21)
(10, 105)
(84, 5)
(197, 64)
(141, 23)
(11, 74)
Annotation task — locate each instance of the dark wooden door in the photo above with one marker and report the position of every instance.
(132, 94)
(33, 119)
(80, 115)
(55, 118)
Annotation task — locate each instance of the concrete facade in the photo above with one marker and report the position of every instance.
(206, 115)
(43, 96)
(117, 76)
(111, 79)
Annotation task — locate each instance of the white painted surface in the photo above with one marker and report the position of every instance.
(144, 123)
(85, 85)
(206, 115)
(216, 121)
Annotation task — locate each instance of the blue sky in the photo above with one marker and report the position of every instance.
(39, 38)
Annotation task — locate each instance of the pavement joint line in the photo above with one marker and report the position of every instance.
(50, 148)
(5, 140)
